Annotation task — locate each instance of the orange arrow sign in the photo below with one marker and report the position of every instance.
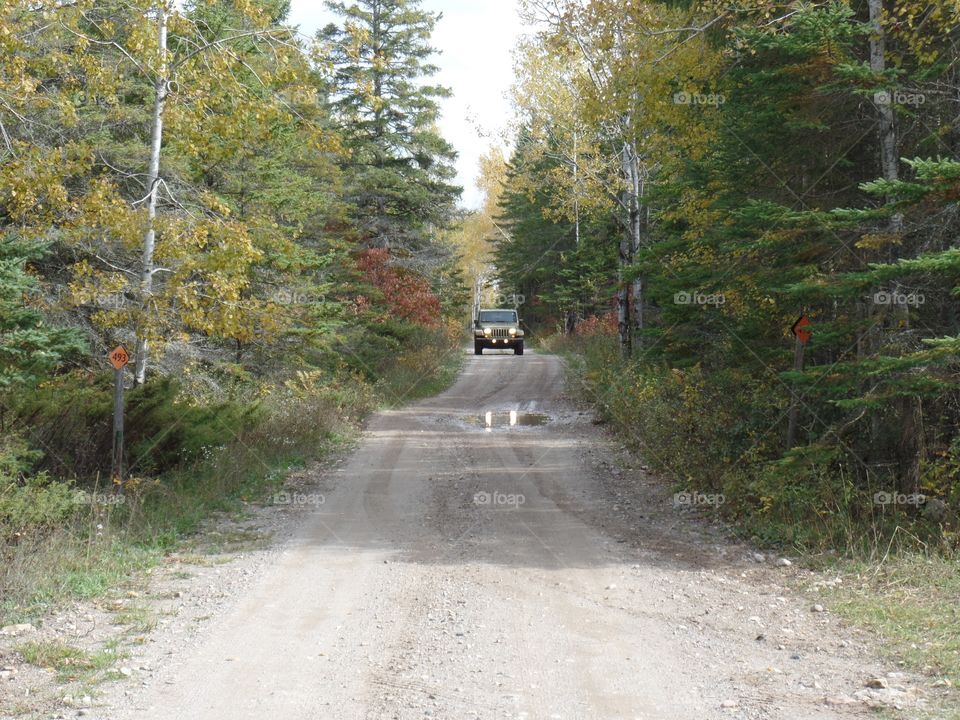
(800, 329)
(119, 357)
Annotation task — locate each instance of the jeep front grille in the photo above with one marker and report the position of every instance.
(500, 333)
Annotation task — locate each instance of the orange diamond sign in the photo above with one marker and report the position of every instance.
(119, 357)
(801, 329)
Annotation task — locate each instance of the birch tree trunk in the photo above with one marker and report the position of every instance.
(576, 190)
(161, 89)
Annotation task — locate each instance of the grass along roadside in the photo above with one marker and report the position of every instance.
(100, 549)
(422, 373)
(71, 663)
(909, 602)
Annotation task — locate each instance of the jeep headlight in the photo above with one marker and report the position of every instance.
(513, 331)
(487, 331)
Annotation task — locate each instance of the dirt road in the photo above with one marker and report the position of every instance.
(455, 569)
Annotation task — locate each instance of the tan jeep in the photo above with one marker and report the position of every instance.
(497, 329)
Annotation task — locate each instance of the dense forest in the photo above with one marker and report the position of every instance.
(261, 218)
(688, 182)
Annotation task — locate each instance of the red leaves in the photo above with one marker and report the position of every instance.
(406, 294)
(605, 324)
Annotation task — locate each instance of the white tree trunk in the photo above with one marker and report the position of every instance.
(161, 89)
(576, 189)
(630, 296)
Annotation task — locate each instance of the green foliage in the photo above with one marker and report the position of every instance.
(30, 347)
(267, 166)
(398, 167)
(71, 418)
(35, 504)
(29, 502)
(711, 433)
(540, 256)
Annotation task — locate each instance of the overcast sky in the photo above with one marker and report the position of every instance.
(475, 39)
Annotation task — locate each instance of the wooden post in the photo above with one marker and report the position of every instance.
(802, 333)
(794, 403)
(117, 466)
(119, 359)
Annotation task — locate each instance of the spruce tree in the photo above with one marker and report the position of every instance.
(399, 167)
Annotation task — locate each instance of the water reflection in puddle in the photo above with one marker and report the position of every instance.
(512, 418)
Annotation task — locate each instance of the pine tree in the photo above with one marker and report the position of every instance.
(399, 166)
(30, 345)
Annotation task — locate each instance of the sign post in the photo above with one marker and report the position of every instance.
(119, 359)
(802, 332)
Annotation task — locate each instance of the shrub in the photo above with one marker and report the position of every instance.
(72, 419)
(29, 503)
(721, 432)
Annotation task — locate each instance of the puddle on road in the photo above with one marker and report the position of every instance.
(512, 418)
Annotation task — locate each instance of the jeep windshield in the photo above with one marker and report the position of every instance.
(498, 316)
